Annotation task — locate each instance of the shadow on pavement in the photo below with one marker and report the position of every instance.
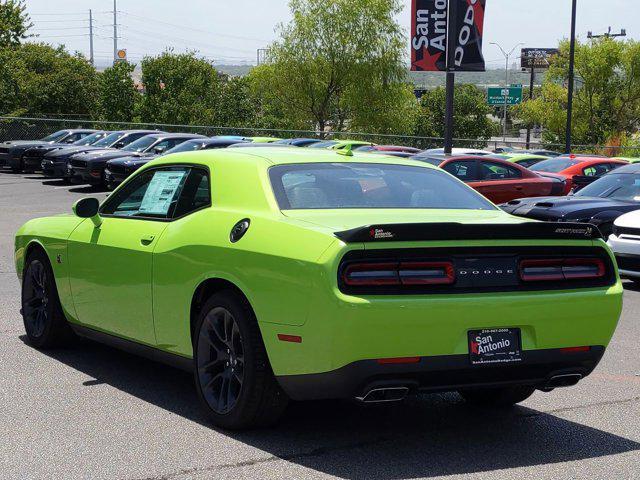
(427, 436)
(55, 183)
(88, 189)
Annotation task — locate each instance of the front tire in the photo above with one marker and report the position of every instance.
(44, 320)
(233, 377)
(502, 397)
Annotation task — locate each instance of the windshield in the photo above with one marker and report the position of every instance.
(554, 165)
(370, 185)
(54, 137)
(619, 186)
(89, 139)
(188, 146)
(141, 144)
(109, 139)
(326, 144)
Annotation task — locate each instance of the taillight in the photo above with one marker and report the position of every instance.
(549, 269)
(399, 273)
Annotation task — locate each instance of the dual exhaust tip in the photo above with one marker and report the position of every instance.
(397, 394)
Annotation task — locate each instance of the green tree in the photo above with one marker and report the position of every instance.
(14, 22)
(607, 93)
(470, 114)
(37, 79)
(118, 94)
(235, 106)
(179, 89)
(337, 64)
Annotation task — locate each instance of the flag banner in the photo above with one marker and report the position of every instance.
(431, 23)
(466, 22)
(429, 35)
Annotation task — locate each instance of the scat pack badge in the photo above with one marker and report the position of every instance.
(379, 233)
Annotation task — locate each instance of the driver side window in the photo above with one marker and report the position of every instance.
(152, 194)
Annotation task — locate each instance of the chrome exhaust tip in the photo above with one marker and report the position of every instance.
(567, 380)
(382, 395)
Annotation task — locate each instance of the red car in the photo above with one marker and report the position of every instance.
(499, 180)
(576, 171)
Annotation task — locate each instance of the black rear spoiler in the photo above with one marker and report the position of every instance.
(464, 231)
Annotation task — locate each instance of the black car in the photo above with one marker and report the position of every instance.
(16, 150)
(117, 170)
(297, 142)
(599, 203)
(6, 146)
(54, 164)
(88, 168)
(32, 158)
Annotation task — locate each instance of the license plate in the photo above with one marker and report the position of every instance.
(494, 346)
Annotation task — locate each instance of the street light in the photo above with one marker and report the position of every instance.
(506, 84)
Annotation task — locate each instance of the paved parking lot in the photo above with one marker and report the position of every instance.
(94, 412)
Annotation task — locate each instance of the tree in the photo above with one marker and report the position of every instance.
(37, 79)
(14, 22)
(118, 94)
(607, 94)
(470, 114)
(235, 106)
(338, 63)
(179, 89)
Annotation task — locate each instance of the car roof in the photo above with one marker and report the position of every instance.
(630, 168)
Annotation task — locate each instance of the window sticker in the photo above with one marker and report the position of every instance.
(161, 192)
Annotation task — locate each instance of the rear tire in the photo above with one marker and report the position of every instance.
(44, 320)
(502, 397)
(233, 377)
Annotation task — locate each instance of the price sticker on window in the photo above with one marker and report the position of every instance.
(161, 193)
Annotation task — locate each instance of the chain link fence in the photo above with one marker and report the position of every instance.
(23, 128)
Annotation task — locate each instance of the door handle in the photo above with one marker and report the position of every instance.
(518, 187)
(147, 239)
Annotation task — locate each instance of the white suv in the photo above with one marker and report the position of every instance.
(625, 243)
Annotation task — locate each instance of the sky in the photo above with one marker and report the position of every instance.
(230, 32)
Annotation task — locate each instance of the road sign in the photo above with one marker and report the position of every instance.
(495, 95)
(121, 55)
(536, 57)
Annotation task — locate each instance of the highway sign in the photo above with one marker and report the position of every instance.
(495, 95)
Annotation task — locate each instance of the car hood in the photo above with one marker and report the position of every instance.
(133, 161)
(16, 143)
(571, 207)
(24, 145)
(104, 155)
(345, 219)
(65, 151)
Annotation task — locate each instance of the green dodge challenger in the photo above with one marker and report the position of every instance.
(278, 274)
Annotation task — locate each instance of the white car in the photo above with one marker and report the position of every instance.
(625, 243)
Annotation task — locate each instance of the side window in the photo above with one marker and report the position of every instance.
(73, 137)
(464, 170)
(196, 193)
(498, 171)
(152, 194)
(131, 138)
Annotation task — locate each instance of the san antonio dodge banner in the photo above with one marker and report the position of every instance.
(430, 22)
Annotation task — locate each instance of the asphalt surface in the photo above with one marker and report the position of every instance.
(92, 412)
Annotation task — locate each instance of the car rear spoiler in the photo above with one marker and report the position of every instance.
(465, 231)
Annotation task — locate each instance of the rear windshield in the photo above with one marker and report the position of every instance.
(188, 146)
(620, 186)
(328, 143)
(370, 185)
(554, 165)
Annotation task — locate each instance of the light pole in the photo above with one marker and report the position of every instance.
(572, 54)
(506, 84)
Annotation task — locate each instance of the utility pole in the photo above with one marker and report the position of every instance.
(623, 33)
(506, 85)
(91, 37)
(115, 32)
(572, 55)
(450, 80)
(533, 77)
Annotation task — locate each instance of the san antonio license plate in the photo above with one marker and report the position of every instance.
(492, 346)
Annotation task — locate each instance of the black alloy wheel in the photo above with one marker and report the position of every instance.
(220, 360)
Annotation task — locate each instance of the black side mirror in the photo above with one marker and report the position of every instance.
(88, 208)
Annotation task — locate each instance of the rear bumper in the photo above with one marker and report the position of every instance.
(440, 374)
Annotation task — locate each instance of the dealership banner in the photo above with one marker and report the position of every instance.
(434, 22)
